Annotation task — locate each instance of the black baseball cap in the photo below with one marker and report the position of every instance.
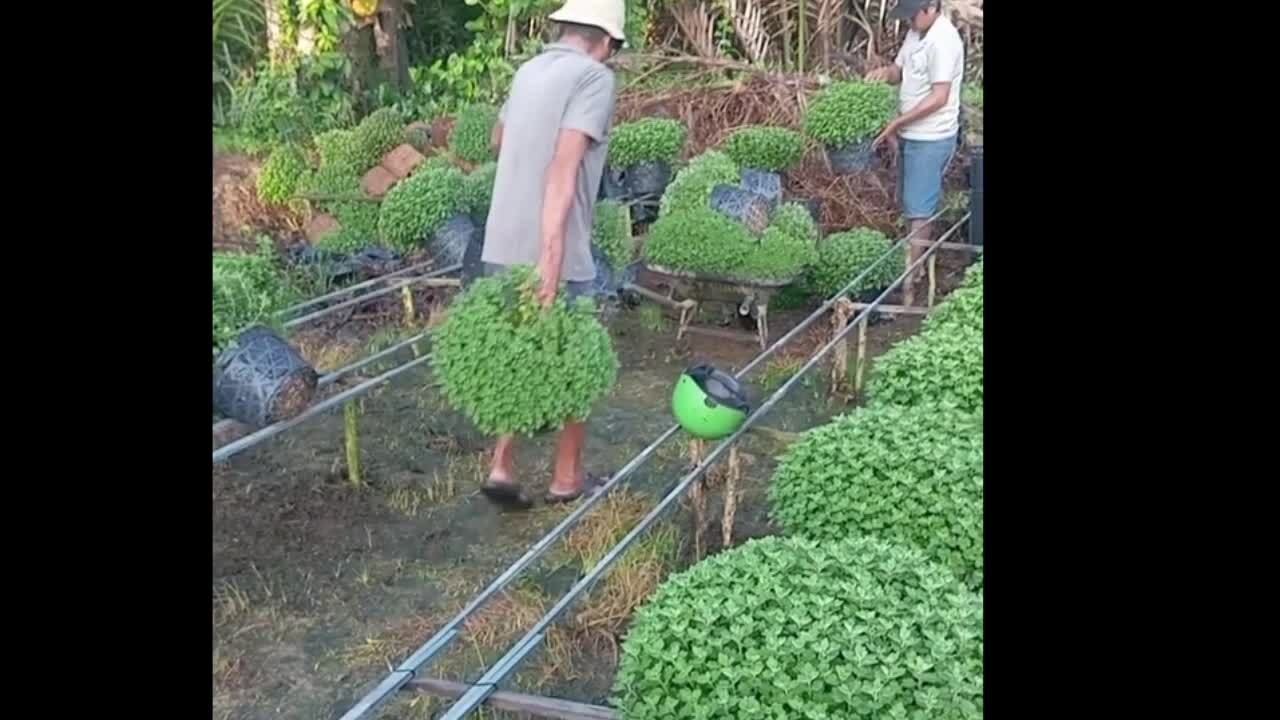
(907, 8)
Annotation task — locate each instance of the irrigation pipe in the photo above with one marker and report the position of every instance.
(244, 443)
(359, 299)
(487, 684)
(360, 286)
(406, 670)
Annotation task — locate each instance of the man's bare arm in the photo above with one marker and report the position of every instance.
(557, 199)
(890, 73)
(495, 138)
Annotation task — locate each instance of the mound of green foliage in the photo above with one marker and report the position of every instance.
(512, 367)
(692, 185)
(611, 232)
(379, 132)
(248, 289)
(765, 148)
(698, 240)
(909, 475)
(477, 189)
(339, 152)
(850, 112)
(280, 175)
(702, 240)
(794, 220)
(793, 628)
(472, 133)
(942, 364)
(289, 102)
(358, 228)
(778, 256)
(842, 256)
(418, 205)
(963, 306)
(650, 140)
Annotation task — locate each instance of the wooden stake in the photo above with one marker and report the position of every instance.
(840, 361)
(862, 356)
(730, 497)
(698, 497)
(350, 412)
(762, 324)
(409, 313)
(933, 279)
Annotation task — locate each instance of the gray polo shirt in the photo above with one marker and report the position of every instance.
(565, 88)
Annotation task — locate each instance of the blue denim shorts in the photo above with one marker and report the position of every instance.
(575, 289)
(921, 165)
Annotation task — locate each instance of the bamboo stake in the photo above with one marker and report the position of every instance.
(933, 280)
(730, 497)
(862, 356)
(698, 497)
(409, 314)
(350, 412)
(840, 360)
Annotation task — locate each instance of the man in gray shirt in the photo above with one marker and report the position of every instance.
(552, 139)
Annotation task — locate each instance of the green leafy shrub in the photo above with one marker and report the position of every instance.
(280, 174)
(842, 256)
(418, 205)
(650, 140)
(291, 102)
(963, 306)
(794, 220)
(472, 131)
(778, 256)
(377, 134)
(698, 240)
(358, 227)
(611, 232)
(512, 367)
(765, 148)
(477, 189)
(850, 112)
(909, 475)
(248, 289)
(784, 628)
(792, 297)
(943, 364)
(691, 187)
(339, 151)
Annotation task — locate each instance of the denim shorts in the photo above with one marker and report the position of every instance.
(575, 289)
(921, 165)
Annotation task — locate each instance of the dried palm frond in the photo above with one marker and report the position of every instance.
(697, 26)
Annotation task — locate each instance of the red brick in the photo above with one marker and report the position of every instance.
(320, 226)
(402, 160)
(378, 181)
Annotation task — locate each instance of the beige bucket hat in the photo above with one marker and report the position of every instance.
(608, 15)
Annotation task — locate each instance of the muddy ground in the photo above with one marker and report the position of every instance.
(318, 587)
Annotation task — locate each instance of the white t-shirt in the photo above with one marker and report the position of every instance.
(935, 58)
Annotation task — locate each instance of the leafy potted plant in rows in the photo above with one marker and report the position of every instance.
(764, 153)
(472, 133)
(513, 367)
(428, 206)
(643, 151)
(846, 117)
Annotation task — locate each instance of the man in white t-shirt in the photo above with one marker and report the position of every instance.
(929, 69)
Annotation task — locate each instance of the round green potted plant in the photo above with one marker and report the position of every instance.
(513, 367)
(764, 152)
(795, 628)
(644, 151)
(281, 174)
(844, 256)
(846, 117)
(418, 206)
(472, 133)
(691, 188)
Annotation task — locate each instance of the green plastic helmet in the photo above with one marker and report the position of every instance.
(709, 404)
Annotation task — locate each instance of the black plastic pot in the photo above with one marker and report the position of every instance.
(975, 195)
(851, 158)
(613, 185)
(260, 379)
(373, 262)
(814, 206)
(449, 243)
(472, 265)
(874, 317)
(767, 185)
(742, 205)
(646, 179)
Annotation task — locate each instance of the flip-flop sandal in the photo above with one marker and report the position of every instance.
(590, 486)
(505, 494)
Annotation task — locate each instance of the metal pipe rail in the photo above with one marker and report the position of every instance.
(406, 670)
(290, 324)
(352, 288)
(340, 372)
(487, 684)
(227, 451)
